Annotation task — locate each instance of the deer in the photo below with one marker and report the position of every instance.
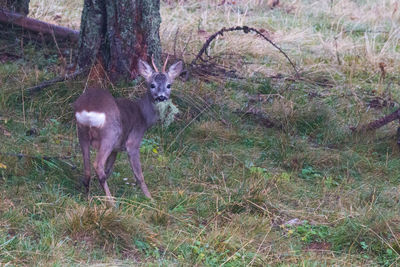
(111, 125)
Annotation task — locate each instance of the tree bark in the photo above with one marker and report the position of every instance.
(17, 6)
(115, 34)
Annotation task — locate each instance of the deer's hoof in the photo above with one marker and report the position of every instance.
(85, 184)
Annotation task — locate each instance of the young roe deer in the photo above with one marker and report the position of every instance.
(111, 125)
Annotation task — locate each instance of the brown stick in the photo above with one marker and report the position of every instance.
(45, 84)
(7, 17)
(378, 123)
(245, 29)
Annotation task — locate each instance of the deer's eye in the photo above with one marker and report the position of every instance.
(153, 86)
(169, 86)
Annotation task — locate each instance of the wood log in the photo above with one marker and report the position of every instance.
(37, 26)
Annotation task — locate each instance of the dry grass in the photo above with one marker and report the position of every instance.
(97, 225)
(60, 12)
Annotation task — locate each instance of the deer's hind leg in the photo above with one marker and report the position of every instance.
(84, 141)
(105, 152)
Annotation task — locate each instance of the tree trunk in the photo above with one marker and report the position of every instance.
(115, 34)
(17, 6)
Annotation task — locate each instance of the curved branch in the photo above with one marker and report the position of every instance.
(245, 29)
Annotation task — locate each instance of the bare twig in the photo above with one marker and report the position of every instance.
(45, 84)
(337, 52)
(175, 40)
(245, 29)
(186, 44)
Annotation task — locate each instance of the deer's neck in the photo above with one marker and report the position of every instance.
(148, 110)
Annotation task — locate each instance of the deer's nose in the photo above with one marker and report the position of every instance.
(161, 98)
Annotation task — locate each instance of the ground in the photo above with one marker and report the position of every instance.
(227, 190)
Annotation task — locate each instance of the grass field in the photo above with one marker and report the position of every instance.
(227, 190)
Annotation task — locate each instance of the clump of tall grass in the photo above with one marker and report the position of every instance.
(99, 226)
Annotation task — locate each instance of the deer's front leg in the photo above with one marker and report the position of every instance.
(134, 160)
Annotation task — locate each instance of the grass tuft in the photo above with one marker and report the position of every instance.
(97, 226)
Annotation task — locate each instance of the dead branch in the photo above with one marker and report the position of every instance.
(245, 29)
(378, 123)
(33, 25)
(45, 84)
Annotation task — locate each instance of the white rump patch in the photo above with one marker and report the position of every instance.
(92, 118)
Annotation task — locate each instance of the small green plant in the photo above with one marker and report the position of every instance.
(149, 145)
(388, 257)
(262, 172)
(51, 128)
(147, 249)
(308, 173)
(266, 87)
(248, 142)
(310, 233)
(330, 182)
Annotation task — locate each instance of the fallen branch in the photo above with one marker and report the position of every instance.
(45, 84)
(34, 25)
(378, 123)
(245, 29)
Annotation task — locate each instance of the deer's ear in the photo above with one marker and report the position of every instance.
(175, 70)
(145, 70)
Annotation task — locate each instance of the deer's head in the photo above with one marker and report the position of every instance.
(159, 83)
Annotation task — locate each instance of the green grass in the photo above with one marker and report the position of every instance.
(226, 189)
